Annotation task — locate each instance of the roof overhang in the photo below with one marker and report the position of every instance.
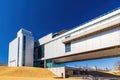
(99, 29)
(97, 54)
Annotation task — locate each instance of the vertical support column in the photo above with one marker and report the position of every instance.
(45, 64)
(18, 51)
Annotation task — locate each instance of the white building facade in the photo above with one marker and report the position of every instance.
(21, 49)
(99, 38)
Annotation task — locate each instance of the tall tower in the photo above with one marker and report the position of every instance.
(21, 49)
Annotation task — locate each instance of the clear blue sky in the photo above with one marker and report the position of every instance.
(45, 16)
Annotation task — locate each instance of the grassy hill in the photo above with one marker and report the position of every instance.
(115, 73)
(27, 73)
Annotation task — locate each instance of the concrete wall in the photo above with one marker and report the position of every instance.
(58, 71)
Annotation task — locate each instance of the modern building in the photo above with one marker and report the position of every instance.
(99, 38)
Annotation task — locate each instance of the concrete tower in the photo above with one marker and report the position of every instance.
(21, 49)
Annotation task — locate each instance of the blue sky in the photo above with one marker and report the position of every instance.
(45, 16)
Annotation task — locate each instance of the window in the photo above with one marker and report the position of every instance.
(68, 36)
(68, 47)
(24, 47)
(41, 51)
(49, 63)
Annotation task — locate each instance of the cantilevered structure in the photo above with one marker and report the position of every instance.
(99, 38)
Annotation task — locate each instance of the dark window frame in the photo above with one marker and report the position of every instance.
(24, 50)
(68, 47)
(68, 36)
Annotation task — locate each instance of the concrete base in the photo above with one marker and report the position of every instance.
(59, 71)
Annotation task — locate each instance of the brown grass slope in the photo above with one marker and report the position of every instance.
(114, 73)
(26, 72)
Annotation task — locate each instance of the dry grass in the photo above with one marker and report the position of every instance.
(114, 73)
(27, 73)
(26, 78)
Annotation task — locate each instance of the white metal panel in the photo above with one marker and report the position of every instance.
(89, 42)
(103, 40)
(45, 39)
(110, 38)
(13, 53)
(55, 48)
(96, 42)
(79, 45)
(74, 48)
(20, 49)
